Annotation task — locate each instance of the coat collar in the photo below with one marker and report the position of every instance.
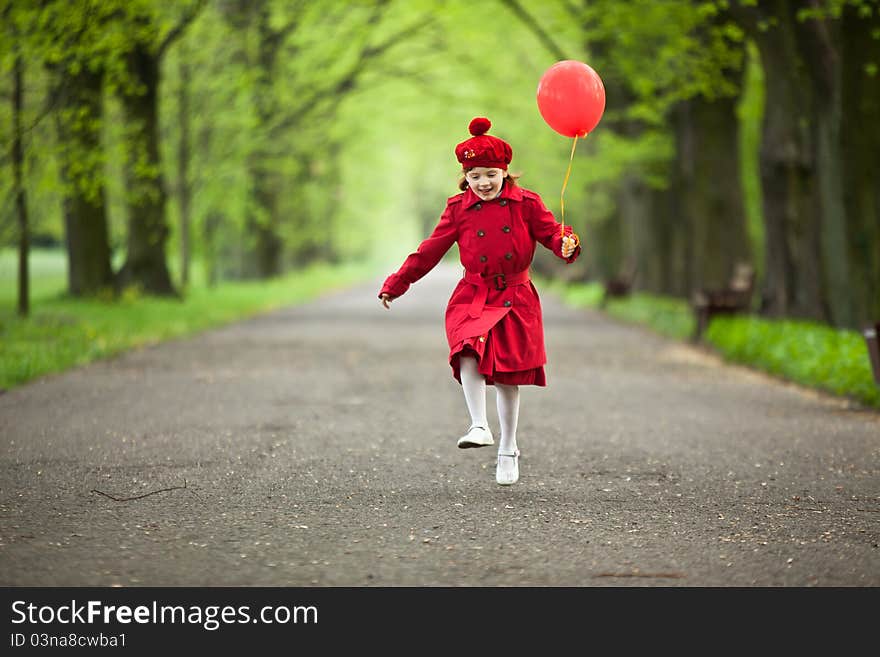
(508, 191)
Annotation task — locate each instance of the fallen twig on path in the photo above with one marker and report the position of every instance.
(658, 575)
(137, 497)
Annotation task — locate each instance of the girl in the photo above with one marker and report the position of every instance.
(493, 319)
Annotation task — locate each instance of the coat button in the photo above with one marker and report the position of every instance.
(506, 229)
(483, 258)
(478, 206)
(508, 256)
(481, 233)
(502, 202)
(507, 304)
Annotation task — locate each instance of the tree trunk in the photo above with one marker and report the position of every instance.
(635, 214)
(860, 161)
(184, 156)
(668, 267)
(617, 242)
(707, 162)
(789, 176)
(329, 213)
(820, 162)
(263, 259)
(818, 44)
(146, 264)
(211, 228)
(18, 191)
(801, 216)
(665, 270)
(605, 252)
(80, 161)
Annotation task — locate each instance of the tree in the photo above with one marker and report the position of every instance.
(65, 38)
(305, 62)
(184, 157)
(78, 120)
(706, 170)
(859, 52)
(671, 68)
(818, 60)
(148, 230)
(17, 156)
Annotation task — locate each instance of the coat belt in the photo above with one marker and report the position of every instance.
(496, 281)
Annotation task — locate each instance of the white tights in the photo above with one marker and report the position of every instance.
(474, 386)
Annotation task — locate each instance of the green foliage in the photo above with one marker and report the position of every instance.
(645, 156)
(669, 51)
(805, 352)
(360, 166)
(400, 128)
(586, 295)
(222, 128)
(339, 158)
(668, 316)
(348, 113)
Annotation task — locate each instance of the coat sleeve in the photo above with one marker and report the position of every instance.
(425, 257)
(546, 229)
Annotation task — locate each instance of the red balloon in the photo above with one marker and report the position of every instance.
(571, 98)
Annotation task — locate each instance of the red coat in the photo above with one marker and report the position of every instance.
(498, 317)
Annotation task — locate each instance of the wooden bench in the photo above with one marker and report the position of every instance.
(872, 333)
(619, 286)
(735, 298)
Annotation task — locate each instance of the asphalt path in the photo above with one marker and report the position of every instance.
(315, 446)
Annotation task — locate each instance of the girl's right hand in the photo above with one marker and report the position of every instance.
(386, 299)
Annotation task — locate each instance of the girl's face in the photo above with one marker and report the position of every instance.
(485, 181)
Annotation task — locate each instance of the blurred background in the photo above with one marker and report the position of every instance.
(159, 146)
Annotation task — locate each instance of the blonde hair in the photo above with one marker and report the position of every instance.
(463, 183)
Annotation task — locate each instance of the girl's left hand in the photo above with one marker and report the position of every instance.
(569, 244)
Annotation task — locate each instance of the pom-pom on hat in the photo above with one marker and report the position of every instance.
(483, 150)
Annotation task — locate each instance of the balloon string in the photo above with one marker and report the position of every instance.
(565, 183)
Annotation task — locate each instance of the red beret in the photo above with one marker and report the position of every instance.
(483, 150)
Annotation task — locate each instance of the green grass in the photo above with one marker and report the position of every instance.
(811, 354)
(666, 315)
(63, 332)
(48, 275)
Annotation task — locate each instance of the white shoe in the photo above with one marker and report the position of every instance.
(507, 470)
(476, 437)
